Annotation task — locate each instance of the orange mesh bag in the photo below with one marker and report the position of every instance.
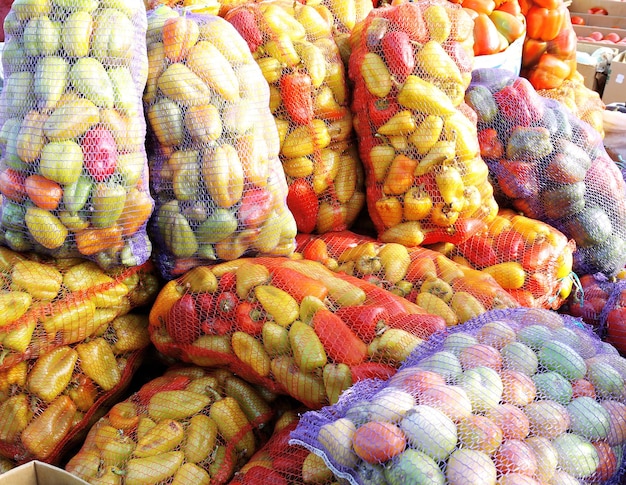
(219, 186)
(291, 326)
(74, 170)
(426, 181)
(295, 50)
(48, 403)
(528, 258)
(433, 281)
(49, 302)
(516, 396)
(188, 426)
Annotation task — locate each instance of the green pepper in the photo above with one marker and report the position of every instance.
(15, 56)
(112, 38)
(218, 226)
(50, 81)
(17, 240)
(130, 166)
(75, 195)
(166, 121)
(13, 215)
(76, 33)
(481, 101)
(186, 176)
(9, 135)
(179, 236)
(108, 204)
(89, 77)
(41, 36)
(19, 93)
(124, 90)
(532, 142)
(61, 161)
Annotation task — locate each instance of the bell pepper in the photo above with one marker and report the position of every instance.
(367, 321)
(251, 353)
(12, 185)
(298, 285)
(233, 425)
(99, 153)
(98, 361)
(307, 388)
(303, 203)
(61, 161)
(398, 53)
(400, 175)
(178, 235)
(89, 77)
(306, 140)
(110, 39)
(341, 343)
(549, 73)
(245, 22)
(253, 405)
(52, 373)
(210, 65)
(312, 59)
(371, 370)
(51, 79)
(16, 414)
(30, 137)
(166, 121)
(421, 95)
(179, 35)
(308, 351)
(153, 469)
(280, 305)
(45, 227)
(376, 75)
(108, 201)
(411, 20)
(41, 37)
(337, 378)
(545, 24)
(249, 318)
(255, 207)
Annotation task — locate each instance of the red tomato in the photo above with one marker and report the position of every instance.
(616, 328)
(612, 37)
(577, 20)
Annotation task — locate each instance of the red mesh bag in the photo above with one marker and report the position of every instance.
(294, 327)
(426, 181)
(190, 425)
(47, 404)
(294, 47)
(435, 282)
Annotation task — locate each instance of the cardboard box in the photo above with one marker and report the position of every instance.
(39, 473)
(586, 30)
(615, 87)
(595, 75)
(602, 20)
(613, 7)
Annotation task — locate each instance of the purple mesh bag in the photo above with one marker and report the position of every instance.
(513, 396)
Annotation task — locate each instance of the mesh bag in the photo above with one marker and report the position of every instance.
(47, 302)
(294, 327)
(48, 403)
(294, 47)
(528, 258)
(214, 170)
(426, 181)
(74, 170)
(344, 16)
(513, 392)
(188, 426)
(551, 166)
(441, 286)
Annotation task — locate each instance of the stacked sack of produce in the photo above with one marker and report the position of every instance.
(219, 186)
(189, 426)
(514, 396)
(426, 182)
(73, 173)
(294, 47)
(294, 327)
(443, 287)
(551, 166)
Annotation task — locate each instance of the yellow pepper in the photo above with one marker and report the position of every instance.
(69, 317)
(14, 305)
(308, 351)
(251, 352)
(163, 437)
(325, 170)
(510, 275)
(177, 405)
(423, 96)
(233, 425)
(305, 140)
(214, 69)
(280, 20)
(52, 373)
(408, 233)
(402, 123)
(223, 175)
(389, 210)
(426, 134)
(280, 305)
(281, 47)
(201, 438)
(153, 469)
(98, 362)
(308, 388)
(312, 58)
(15, 414)
(376, 75)
(400, 175)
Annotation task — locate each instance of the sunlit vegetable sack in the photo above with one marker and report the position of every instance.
(292, 326)
(309, 99)
(551, 166)
(47, 303)
(74, 169)
(425, 179)
(219, 185)
(523, 395)
(189, 426)
(454, 291)
(48, 403)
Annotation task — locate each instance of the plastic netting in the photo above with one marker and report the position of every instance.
(513, 392)
(426, 181)
(219, 187)
(293, 45)
(188, 426)
(435, 282)
(48, 403)
(292, 326)
(528, 258)
(49, 302)
(74, 169)
(551, 166)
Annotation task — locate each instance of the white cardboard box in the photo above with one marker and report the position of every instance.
(39, 473)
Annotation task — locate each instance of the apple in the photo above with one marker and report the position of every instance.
(608, 462)
(452, 400)
(543, 317)
(547, 456)
(511, 419)
(518, 388)
(588, 418)
(617, 423)
(479, 433)
(553, 386)
(515, 456)
(483, 386)
(597, 36)
(480, 355)
(455, 342)
(607, 381)
(612, 37)
(520, 357)
(496, 333)
(443, 362)
(390, 405)
(430, 431)
(535, 336)
(577, 456)
(559, 357)
(583, 387)
(413, 466)
(469, 467)
(415, 381)
(547, 418)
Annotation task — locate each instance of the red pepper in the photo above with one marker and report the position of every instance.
(528, 96)
(255, 207)
(420, 325)
(510, 244)
(381, 110)
(340, 342)
(545, 24)
(459, 231)
(303, 204)
(532, 51)
(12, 184)
(550, 72)
(296, 92)
(249, 318)
(480, 6)
(227, 282)
(564, 45)
(366, 321)
(371, 370)
(261, 475)
(244, 21)
(540, 284)
(409, 18)
(512, 106)
(99, 152)
(538, 256)
(297, 284)
(398, 53)
(285, 457)
(315, 250)
(486, 37)
(183, 322)
(209, 323)
(490, 144)
(478, 250)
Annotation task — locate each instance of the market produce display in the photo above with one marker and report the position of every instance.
(513, 392)
(214, 169)
(300, 60)
(74, 173)
(552, 167)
